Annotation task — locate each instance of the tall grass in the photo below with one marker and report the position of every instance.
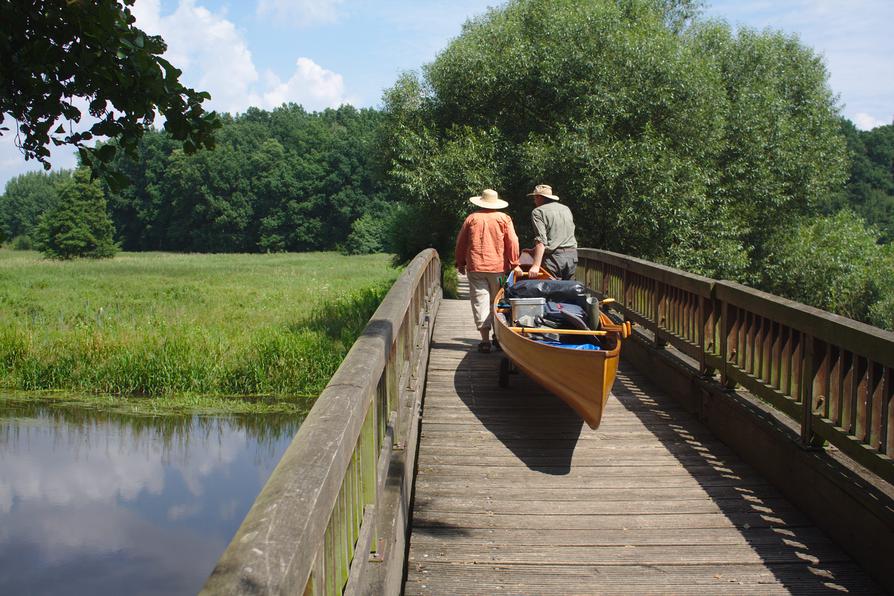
(155, 324)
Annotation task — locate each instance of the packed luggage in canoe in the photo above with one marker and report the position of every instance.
(557, 334)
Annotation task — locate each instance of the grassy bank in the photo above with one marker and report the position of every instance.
(184, 327)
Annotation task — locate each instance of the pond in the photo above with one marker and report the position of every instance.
(102, 503)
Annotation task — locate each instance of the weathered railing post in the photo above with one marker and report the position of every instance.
(332, 517)
(829, 374)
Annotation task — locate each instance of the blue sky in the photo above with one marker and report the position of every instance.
(322, 53)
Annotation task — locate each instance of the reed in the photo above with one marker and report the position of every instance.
(181, 326)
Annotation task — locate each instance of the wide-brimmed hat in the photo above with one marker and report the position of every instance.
(543, 190)
(489, 199)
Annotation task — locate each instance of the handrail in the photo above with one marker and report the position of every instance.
(325, 521)
(832, 375)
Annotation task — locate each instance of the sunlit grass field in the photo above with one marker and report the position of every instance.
(184, 327)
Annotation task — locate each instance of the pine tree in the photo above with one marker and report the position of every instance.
(79, 226)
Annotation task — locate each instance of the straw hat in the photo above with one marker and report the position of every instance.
(544, 190)
(489, 199)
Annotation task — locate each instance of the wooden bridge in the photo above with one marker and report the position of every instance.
(746, 450)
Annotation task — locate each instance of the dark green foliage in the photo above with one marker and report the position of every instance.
(834, 263)
(284, 180)
(870, 189)
(681, 144)
(79, 225)
(27, 196)
(782, 151)
(417, 227)
(54, 52)
(881, 313)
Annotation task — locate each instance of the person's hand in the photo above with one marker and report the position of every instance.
(519, 272)
(534, 271)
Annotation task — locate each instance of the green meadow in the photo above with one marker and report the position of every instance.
(190, 331)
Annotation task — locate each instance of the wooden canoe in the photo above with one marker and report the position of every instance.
(581, 378)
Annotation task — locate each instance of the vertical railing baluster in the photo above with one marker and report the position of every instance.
(835, 409)
(701, 323)
(885, 436)
(658, 307)
(863, 408)
(849, 393)
(727, 352)
(875, 419)
(809, 367)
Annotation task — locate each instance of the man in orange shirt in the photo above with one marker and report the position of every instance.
(486, 248)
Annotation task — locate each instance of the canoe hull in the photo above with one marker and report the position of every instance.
(581, 378)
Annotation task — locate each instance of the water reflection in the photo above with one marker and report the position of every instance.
(103, 503)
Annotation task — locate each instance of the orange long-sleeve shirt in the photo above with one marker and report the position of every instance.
(487, 242)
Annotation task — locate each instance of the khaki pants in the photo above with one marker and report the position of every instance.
(483, 289)
(562, 264)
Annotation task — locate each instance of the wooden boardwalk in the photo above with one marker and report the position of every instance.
(514, 495)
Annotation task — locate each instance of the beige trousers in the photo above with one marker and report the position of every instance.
(483, 289)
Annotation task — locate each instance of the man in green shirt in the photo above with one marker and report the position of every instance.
(555, 246)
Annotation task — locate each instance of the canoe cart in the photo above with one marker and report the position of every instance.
(583, 378)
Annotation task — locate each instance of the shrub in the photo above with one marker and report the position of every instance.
(370, 233)
(417, 227)
(831, 263)
(21, 243)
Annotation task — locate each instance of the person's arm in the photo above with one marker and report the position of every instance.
(510, 244)
(462, 247)
(539, 250)
(540, 240)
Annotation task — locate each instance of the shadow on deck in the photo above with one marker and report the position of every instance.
(515, 495)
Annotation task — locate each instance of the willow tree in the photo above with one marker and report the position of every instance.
(670, 138)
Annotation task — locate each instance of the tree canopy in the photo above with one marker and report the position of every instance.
(280, 180)
(26, 198)
(681, 143)
(832, 263)
(870, 188)
(64, 60)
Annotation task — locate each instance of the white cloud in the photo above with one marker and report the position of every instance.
(85, 473)
(865, 121)
(215, 57)
(310, 85)
(302, 13)
(208, 48)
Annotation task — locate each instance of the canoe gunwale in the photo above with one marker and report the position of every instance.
(581, 378)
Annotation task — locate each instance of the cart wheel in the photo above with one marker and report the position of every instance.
(505, 366)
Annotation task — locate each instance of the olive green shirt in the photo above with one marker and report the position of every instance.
(553, 226)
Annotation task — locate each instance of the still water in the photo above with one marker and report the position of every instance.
(98, 503)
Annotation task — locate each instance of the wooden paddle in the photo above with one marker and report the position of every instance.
(557, 331)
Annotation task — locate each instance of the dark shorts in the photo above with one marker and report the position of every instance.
(562, 263)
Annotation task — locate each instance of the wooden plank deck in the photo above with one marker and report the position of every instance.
(514, 495)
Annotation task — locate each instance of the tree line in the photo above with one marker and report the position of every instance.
(279, 180)
(671, 137)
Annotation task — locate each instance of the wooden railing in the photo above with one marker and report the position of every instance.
(830, 374)
(332, 517)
